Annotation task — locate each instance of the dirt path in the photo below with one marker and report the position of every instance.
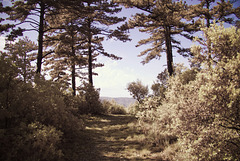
(113, 138)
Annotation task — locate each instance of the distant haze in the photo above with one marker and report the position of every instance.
(125, 101)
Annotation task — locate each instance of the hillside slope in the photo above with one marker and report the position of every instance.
(125, 101)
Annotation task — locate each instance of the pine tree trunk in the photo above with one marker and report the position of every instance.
(169, 50)
(73, 57)
(90, 63)
(208, 17)
(73, 80)
(90, 74)
(40, 38)
(25, 68)
(73, 72)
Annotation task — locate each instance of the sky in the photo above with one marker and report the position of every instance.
(114, 76)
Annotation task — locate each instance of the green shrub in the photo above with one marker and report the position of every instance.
(202, 113)
(156, 121)
(36, 119)
(111, 107)
(133, 108)
(91, 103)
(31, 142)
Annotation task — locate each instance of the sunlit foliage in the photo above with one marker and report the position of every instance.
(111, 107)
(200, 113)
(137, 90)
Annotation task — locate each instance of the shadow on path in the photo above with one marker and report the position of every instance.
(113, 138)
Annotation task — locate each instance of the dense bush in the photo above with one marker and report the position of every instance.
(35, 117)
(90, 100)
(201, 113)
(133, 109)
(111, 107)
(137, 90)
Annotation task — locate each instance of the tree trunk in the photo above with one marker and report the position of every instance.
(73, 80)
(73, 71)
(40, 38)
(208, 17)
(25, 67)
(169, 50)
(73, 57)
(90, 74)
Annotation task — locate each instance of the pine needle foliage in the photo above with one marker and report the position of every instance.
(32, 13)
(162, 20)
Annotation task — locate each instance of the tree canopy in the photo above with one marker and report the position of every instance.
(138, 90)
(165, 20)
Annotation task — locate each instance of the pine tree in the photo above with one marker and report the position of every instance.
(211, 11)
(82, 28)
(4, 27)
(96, 26)
(162, 19)
(22, 53)
(32, 12)
(67, 43)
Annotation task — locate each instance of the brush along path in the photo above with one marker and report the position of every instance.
(113, 137)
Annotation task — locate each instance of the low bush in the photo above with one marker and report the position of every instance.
(90, 103)
(133, 108)
(111, 107)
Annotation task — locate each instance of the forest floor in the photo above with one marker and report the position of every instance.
(113, 138)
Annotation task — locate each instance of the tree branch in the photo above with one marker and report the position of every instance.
(50, 52)
(230, 127)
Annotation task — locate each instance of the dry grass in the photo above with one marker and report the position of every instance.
(114, 137)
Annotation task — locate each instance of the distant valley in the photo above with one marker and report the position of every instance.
(125, 101)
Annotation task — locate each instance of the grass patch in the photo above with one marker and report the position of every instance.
(115, 137)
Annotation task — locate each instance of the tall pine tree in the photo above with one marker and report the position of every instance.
(162, 19)
(99, 17)
(218, 10)
(81, 29)
(33, 13)
(67, 44)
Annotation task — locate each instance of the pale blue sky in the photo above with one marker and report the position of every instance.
(115, 75)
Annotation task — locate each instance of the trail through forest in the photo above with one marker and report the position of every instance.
(113, 137)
